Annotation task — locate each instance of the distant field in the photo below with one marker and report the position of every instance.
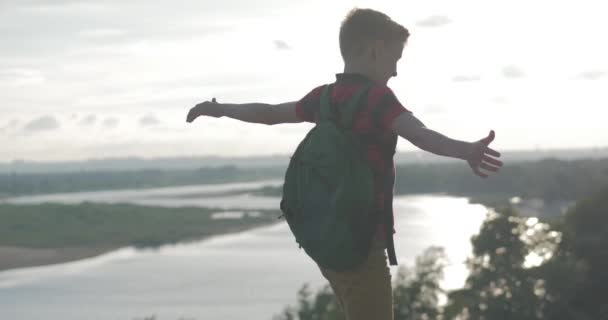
(106, 225)
(15, 184)
(551, 180)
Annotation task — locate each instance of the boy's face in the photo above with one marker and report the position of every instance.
(385, 55)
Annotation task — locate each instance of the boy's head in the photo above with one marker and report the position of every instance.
(372, 43)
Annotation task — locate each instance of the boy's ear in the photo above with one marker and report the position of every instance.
(374, 49)
(377, 48)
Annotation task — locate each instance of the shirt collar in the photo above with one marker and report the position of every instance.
(352, 78)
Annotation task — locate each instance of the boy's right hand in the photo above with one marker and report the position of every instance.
(207, 108)
(482, 157)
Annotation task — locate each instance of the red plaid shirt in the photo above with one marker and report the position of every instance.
(373, 125)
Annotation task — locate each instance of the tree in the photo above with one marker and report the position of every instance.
(578, 284)
(322, 306)
(504, 282)
(416, 292)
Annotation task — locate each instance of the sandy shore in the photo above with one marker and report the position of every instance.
(20, 257)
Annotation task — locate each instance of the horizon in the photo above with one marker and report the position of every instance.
(414, 153)
(94, 80)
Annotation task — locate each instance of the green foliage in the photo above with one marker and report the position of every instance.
(521, 268)
(320, 306)
(500, 285)
(105, 225)
(570, 284)
(579, 281)
(415, 294)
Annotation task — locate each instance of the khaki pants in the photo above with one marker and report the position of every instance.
(365, 293)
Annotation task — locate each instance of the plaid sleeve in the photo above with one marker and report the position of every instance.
(308, 106)
(387, 108)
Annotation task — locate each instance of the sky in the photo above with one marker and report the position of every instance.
(113, 78)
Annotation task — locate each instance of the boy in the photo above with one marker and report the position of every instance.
(371, 45)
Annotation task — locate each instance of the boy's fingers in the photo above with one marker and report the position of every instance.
(492, 161)
(488, 167)
(489, 138)
(475, 168)
(479, 173)
(492, 152)
(192, 114)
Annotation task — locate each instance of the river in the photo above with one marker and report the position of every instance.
(249, 275)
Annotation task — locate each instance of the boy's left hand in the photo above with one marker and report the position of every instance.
(207, 108)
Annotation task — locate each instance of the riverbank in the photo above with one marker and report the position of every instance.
(22, 257)
(34, 235)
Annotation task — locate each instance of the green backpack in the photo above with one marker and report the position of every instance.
(328, 190)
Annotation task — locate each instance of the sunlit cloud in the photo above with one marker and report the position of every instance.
(88, 120)
(101, 33)
(44, 123)
(512, 72)
(433, 109)
(73, 59)
(149, 120)
(10, 126)
(281, 45)
(500, 100)
(20, 77)
(111, 122)
(434, 21)
(466, 78)
(63, 6)
(594, 74)
(13, 123)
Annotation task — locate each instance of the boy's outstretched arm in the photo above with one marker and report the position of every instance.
(263, 113)
(477, 154)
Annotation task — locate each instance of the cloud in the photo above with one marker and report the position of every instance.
(44, 123)
(110, 122)
(10, 125)
(149, 120)
(101, 33)
(281, 45)
(60, 6)
(21, 77)
(434, 21)
(170, 129)
(88, 120)
(512, 72)
(500, 100)
(434, 109)
(593, 74)
(466, 78)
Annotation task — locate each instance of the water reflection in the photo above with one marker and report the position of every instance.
(251, 275)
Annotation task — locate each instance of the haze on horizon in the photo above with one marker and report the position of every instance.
(92, 79)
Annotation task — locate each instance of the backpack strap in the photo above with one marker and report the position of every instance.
(354, 106)
(351, 109)
(325, 112)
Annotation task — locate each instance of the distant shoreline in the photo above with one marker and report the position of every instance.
(51, 233)
(13, 257)
(128, 163)
(22, 257)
